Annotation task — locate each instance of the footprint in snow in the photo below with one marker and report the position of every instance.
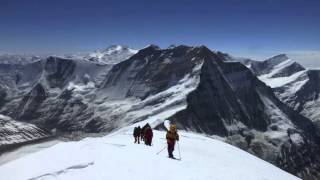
(117, 145)
(57, 173)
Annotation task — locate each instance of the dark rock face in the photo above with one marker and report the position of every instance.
(59, 71)
(30, 103)
(3, 95)
(152, 70)
(301, 160)
(306, 99)
(232, 95)
(230, 101)
(310, 90)
(289, 70)
(207, 114)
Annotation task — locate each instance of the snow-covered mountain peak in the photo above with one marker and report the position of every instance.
(277, 59)
(152, 46)
(111, 55)
(292, 83)
(274, 67)
(116, 49)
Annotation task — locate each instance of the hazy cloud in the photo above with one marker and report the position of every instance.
(308, 58)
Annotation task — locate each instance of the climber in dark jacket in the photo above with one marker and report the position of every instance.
(172, 136)
(136, 134)
(148, 134)
(143, 130)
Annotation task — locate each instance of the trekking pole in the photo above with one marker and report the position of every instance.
(161, 150)
(179, 150)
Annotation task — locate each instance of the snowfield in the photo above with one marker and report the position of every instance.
(115, 156)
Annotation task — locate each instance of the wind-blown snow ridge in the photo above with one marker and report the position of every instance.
(276, 69)
(116, 157)
(281, 81)
(12, 131)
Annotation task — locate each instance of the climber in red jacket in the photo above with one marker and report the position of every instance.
(148, 135)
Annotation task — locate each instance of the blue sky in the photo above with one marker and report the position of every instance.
(252, 28)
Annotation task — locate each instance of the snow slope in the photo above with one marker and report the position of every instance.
(25, 150)
(116, 157)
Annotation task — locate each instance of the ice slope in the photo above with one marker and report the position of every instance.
(116, 157)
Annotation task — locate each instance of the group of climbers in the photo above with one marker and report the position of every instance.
(145, 134)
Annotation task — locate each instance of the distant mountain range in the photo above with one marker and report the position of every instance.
(201, 90)
(18, 59)
(111, 55)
